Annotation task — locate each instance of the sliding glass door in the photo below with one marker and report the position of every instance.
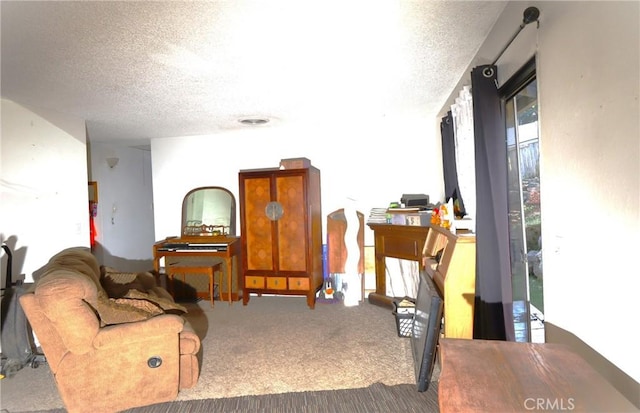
(521, 110)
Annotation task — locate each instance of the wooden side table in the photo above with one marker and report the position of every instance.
(230, 255)
(396, 241)
(505, 376)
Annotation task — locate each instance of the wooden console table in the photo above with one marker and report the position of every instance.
(505, 376)
(395, 241)
(229, 254)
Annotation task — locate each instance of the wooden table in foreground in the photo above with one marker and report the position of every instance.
(396, 241)
(504, 376)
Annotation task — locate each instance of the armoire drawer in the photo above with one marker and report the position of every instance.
(299, 283)
(252, 281)
(276, 283)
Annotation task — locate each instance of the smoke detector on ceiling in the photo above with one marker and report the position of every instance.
(254, 121)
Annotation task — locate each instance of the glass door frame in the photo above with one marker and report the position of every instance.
(519, 249)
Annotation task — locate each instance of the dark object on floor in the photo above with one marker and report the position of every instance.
(381, 300)
(18, 348)
(427, 325)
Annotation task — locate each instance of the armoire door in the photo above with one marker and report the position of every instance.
(257, 226)
(291, 227)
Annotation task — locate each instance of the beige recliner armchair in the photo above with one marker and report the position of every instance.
(105, 366)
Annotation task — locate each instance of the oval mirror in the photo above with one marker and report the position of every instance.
(209, 211)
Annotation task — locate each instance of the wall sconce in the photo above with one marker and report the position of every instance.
(112, 162)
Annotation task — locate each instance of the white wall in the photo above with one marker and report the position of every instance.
(44, 204)
(373, 161)
(588, 84)
(43, 179)
(124, 223)
(588, 72)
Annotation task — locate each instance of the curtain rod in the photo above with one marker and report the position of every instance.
(530, 15)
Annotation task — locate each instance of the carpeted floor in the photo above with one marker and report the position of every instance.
(377, 398)
(276, 346)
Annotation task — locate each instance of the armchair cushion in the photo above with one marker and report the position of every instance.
(166, 305)
(117, 283)
(132, 297)
(112, 311)
(144, 305)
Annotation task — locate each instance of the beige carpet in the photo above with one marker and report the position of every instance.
(272, 345)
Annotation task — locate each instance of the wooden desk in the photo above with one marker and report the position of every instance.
(395, 241)
(229, 256)
(504, 376)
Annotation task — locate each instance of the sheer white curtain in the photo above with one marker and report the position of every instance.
(462, 112)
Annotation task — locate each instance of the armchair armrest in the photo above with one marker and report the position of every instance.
(117, 335)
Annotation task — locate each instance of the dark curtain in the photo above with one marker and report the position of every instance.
(493, 316)
(451, 188)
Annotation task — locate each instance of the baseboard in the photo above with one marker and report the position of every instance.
(624, 383)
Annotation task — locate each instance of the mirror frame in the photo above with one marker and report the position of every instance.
(207, 230)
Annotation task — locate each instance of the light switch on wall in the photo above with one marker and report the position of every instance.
(114, 209)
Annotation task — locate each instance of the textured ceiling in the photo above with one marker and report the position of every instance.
(141, 70)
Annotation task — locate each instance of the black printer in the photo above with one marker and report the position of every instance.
(416, 201)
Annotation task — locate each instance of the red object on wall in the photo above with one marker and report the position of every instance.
(93, 211)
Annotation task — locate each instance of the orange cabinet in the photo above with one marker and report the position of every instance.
(281, 232)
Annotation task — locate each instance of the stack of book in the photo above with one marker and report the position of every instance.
(400, 216)
(377, 216)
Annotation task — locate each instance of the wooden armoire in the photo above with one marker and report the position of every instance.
(281, 232)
